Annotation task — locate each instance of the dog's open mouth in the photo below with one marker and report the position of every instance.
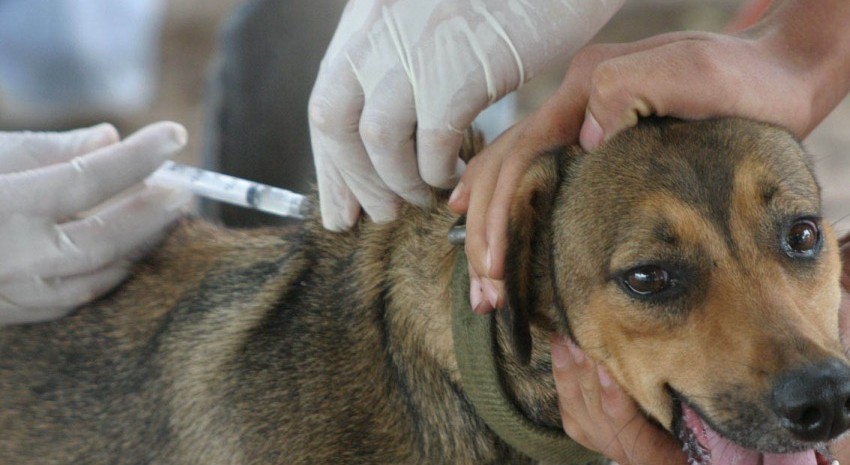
(705, 446)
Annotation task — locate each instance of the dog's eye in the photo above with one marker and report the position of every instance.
(647, 280)
(802, 238)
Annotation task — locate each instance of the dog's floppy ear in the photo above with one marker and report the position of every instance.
(528, 234)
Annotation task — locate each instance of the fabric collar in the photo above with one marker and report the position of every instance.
(475, 350)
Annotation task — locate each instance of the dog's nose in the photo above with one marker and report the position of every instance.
(813, 402)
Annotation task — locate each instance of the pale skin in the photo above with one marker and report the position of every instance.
(790, 69)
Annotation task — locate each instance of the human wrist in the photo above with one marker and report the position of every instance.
(811, 44)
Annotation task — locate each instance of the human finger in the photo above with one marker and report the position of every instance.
(346, 177)
(599, 415)
(570, 397)
(478, 182)
(23, 150)
(585, 373)
(486, 191)
(88, 244)
(88, 180)
(487, 186)
(439, 138)
(32, 300)
(659, 81)
(492, 179)
(387, 129)
(477, 300)
(639, 441)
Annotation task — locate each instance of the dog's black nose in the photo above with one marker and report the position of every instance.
(813, 402)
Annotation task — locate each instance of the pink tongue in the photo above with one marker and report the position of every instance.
(724, 452)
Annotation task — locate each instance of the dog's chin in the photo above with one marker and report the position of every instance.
(705, 446)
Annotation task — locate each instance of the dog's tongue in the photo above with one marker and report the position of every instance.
(723, 452)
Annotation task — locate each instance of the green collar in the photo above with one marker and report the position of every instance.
(475, 349)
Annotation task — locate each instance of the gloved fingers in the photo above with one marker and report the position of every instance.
(90, 243)
(20, 151)
(349, 171)
(340, 208)
(129, 225)
(438, 141)
(86, 181)
(387, 128)
(379, 202)
(34, 299)
(334, 110)
(343, 166)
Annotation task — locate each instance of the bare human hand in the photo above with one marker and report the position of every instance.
(784, 70)
(597, 414)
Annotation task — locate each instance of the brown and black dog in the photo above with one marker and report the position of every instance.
(690, 258)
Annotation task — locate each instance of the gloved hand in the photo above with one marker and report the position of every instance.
(403, 79)
(60, 246)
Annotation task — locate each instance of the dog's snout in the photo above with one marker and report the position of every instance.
(813, 403)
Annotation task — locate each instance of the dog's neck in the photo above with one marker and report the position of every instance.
(422, 259)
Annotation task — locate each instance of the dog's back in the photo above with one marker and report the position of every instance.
(131, 378)
(226, 347)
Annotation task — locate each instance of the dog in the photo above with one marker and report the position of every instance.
(690, 258)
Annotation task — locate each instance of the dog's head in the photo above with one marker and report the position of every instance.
(691, 259)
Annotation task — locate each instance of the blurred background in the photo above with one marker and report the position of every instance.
(238, 73)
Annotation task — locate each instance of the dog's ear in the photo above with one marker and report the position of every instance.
(528, 237)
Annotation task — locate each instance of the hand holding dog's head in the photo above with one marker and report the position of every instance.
(691, 259)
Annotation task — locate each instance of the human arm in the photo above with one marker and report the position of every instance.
(791, 69)
(402, 80)
(62, 246)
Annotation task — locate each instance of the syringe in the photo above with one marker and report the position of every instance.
(231, 190)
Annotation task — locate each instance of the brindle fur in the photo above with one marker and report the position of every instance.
(302, 346)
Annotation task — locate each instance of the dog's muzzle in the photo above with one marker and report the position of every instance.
(812, 405)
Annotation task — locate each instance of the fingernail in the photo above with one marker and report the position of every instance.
(560, 354)
(591, 134)
(102, 135)
(604, 378)
(180, 135)
(488, 261)
(456, 193)
(578, 354)
(490, 292)
(475, 293)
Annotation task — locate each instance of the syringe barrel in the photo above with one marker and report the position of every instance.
(278, 201)
(229, 189)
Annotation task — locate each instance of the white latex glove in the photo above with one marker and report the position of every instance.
(60, 246)
(403, 79)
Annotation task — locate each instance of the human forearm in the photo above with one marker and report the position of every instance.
(812, 40)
